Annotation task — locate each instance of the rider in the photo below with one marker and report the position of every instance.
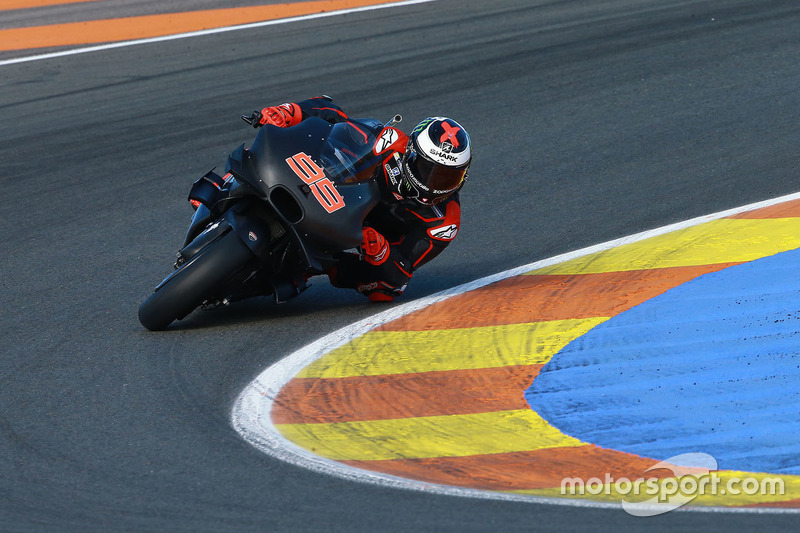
(419, 212)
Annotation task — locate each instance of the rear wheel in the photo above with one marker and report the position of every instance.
(194, 282)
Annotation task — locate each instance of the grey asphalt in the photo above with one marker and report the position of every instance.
(590, 121)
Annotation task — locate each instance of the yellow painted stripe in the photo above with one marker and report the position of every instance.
(718, 241)
(433, 436)
(705, 494)
(401, 352)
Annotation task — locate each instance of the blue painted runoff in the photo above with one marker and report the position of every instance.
(710, 366)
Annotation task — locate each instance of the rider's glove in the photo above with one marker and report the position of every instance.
(375, 247)
(283, 116)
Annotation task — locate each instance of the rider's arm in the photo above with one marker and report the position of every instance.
(322, 107)
(291, 114)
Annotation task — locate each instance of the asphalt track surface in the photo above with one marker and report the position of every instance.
(591, 121)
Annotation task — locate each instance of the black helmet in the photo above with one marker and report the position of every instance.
(436, 161)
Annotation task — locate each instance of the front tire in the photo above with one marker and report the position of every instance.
(194, 282)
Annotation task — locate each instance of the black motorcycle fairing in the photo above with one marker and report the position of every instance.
(339, 154)
(254, 231)
(240, 166)
(200, 219)
(207, 190)
(342, 154)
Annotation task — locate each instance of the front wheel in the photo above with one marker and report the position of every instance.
(194, 282)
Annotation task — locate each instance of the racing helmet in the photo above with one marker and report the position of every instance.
(436, 161)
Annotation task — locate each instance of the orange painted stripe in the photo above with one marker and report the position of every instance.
(125, 29)
(536, 469)
(782, 210)
(7, 5)
(454, 392)
(536, 298)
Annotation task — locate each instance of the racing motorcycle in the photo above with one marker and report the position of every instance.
(285, 209)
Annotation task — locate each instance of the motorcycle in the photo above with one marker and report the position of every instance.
(286, 209)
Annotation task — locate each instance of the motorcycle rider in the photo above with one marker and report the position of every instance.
(419, 212)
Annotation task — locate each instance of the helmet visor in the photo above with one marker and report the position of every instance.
(432, 182)
(438, 178)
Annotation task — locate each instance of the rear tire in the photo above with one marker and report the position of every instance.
(194, 282)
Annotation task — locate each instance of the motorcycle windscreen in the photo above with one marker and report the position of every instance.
(348, 156)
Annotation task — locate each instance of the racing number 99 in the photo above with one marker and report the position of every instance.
(314, 176)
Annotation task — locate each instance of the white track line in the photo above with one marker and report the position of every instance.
(250, 415)
(207, 32)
